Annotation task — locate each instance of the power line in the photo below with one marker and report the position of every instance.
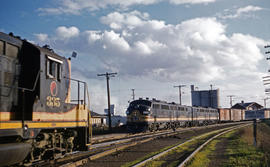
(108, 75)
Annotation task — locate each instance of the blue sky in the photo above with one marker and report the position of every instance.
(152, 44)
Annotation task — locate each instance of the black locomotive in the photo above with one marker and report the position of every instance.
(37, 118)
(145, 114)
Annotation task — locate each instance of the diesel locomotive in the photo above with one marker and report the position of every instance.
(38, 119)
(145, 114)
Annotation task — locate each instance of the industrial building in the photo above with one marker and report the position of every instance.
(205, 98)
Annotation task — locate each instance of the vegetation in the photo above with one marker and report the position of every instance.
(240, 150)
(242, 154)
(202, 158)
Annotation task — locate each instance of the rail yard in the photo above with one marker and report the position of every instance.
(166, 148)
(40, 125)
(144, 149)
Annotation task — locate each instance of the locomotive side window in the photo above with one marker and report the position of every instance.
(54, 68)
(165, 107)
(11, 50)
(7, 78)
(51, 68)
(156, 106)
(1, 48)
(59, 72)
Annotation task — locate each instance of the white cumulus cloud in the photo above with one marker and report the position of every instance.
(42, 37)
(239, 12)
(195, 50)
(65, 32)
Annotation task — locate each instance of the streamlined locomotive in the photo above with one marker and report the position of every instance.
(145, 114)
(37, 118)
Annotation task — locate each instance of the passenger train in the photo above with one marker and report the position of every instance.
(145, 114)
(38, 118)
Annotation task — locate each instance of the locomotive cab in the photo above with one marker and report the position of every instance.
(37, 117)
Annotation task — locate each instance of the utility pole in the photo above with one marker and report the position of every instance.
(266, 79)
(267, 52)
(267, 98)
(180, 93)
(231, 96)
(108, 93)
(133, 94)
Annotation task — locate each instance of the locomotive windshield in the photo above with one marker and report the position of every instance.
(141, 105)
(140, 102)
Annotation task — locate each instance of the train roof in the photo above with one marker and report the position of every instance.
(166, 103)
(17, 41)
(11, 39)
(49, 52)
(158, 101)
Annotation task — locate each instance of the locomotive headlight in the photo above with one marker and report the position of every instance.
(127, 112)
(146, 112)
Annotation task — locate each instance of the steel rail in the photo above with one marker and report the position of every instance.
(190, 140)
(205, 143)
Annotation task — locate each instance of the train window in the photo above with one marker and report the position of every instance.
(59, 72)
(1, 48)
(51, 68)
(156, 106)
(7, 78)
(54, 68)
(11, 50)
(165, 107)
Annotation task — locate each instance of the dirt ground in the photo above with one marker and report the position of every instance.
(133, 153)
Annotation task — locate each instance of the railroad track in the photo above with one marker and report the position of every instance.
(106, 146)
(187, 158)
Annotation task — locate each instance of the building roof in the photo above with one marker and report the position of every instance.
(243, 105)
(94, 114)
